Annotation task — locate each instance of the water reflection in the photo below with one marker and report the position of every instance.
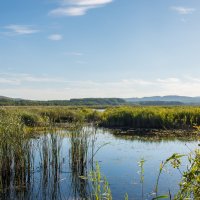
(50, 166)
(37, 168)
(55, 165)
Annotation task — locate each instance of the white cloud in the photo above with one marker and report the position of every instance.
(86, 2)
(19, 79)
(183, 10)
(55, 37)
(168, 80)
(43, 87)
(21, 29)
(7, 81)
(77, 7)
(70, 11)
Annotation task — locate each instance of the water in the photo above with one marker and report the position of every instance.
(100, 110)
(58, 159)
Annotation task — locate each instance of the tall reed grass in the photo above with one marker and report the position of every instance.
(152, 117)
(16, 160)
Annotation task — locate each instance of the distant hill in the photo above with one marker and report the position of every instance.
(145, 101)
(169, 98)
(3, 97)
(97, 101)
(7, 101)
(158, 103)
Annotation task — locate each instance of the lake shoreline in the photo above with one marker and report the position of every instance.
(154, 132)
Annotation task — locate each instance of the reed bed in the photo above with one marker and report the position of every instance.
(152, 117)
(17, 153)
(16, 160)
(46, 116)
(155, 117)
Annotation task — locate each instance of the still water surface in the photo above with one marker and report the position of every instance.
(59, 158)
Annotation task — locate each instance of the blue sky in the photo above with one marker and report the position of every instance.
(61, 49)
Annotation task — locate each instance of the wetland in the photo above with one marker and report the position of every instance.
(61, 154)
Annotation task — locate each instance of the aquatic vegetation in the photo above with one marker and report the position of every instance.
(174, 117)
(100, 186)
(141, 165)
(19, 169)
(16, 158)
(50, 166)
(48, 116)
(190, 184)
(152, 117)
(78, 161)
(10, 123)
(31, 119)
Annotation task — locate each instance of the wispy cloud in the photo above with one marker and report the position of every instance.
(18, 79)
(77, 7)
(15, 29)
(85, 2)
(55, 37)
(44, 87)
(70, 11)
(183, 10)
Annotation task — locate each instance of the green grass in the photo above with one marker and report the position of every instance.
(17, 158)
(44, 116)
(14, 151)
(152, 117)
(149, 117)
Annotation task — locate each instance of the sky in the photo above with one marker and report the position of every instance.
(62, 49)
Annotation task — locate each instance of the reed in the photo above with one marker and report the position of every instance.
(45, 116)
(152, 117)
(16, 159)
(78, 162)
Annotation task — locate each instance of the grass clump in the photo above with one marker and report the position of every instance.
(10, 124)
(15, 155)
(31, 119)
